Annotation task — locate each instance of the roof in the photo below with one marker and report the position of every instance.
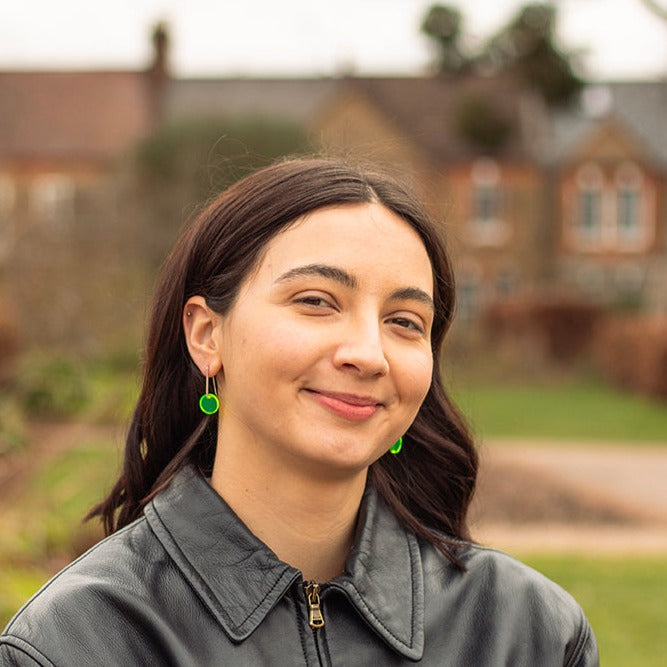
(638, 106)
(290, 98)
(426, 109)
(98, 115)
(90, 115)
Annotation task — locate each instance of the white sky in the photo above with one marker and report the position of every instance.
(619, 39)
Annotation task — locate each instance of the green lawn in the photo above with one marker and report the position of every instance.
(42, 528)
(17, 584)
(625, 601)
(573, 411)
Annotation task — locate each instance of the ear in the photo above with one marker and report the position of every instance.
(201, 326)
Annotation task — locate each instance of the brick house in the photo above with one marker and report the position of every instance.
(574, 200)
(61, 132)
(489, 196)
(609, 160)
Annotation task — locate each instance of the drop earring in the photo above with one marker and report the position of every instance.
(209, 403)
(397, 446)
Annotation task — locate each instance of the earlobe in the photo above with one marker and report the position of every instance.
(201, 329)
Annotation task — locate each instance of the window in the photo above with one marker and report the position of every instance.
(487, 225)
(486, 203)
(614, 211)
(506, 283)
(628, 203)
(588, 217)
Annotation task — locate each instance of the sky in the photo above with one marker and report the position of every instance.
(615, 39)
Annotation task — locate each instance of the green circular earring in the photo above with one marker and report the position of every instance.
(397, 446)
(209, 403)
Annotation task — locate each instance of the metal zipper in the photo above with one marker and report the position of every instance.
(315, 617)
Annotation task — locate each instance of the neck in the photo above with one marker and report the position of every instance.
(307, 521)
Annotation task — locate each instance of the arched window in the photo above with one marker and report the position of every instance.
(486, 207)
(629, 212)
(614, 211)
(588, 216)
(486, 192)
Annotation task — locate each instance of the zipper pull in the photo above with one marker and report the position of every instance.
(315, 618)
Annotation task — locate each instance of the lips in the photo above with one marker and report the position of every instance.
(349, 406)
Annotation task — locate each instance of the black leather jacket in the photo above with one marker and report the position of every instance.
(188, 584)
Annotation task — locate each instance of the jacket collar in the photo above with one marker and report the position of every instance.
(240, 579)
(384, 577)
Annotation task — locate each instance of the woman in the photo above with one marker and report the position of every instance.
(319, 516)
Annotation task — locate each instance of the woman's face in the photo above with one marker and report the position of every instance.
(326, 354)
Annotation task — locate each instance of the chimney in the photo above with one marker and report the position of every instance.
(160, 37)
(158, 71)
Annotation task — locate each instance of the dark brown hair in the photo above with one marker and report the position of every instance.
(429, 487)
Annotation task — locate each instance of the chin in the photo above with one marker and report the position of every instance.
(348, 457)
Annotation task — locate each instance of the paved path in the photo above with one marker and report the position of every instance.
(628, 479)
(622, 488)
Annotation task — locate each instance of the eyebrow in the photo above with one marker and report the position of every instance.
(413, 294)
(348, 280)
(330, 272)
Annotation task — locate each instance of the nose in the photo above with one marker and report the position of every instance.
(361, 349)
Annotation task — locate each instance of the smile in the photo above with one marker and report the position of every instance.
(349, 406)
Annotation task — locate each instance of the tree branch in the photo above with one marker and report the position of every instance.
(653, 6)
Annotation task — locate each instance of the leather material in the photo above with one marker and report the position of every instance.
(189, 584)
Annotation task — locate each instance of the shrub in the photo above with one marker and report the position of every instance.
(53, 387)
(13, 434)
(562, 328)
(632, 353)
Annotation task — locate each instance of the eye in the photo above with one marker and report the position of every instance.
(408, 323)
(314, 301)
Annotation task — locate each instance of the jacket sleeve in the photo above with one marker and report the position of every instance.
(585, 653)
(15, 652)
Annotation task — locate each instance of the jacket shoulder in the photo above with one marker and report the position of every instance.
(88, 602)
(519, 605)
(540, 603)
(504, 575)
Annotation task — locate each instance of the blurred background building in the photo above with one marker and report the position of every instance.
(553, 190)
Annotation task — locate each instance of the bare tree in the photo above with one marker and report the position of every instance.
(657, 7)
(442, 24)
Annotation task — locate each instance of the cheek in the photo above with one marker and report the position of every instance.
(280, 349)
(417, 376)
